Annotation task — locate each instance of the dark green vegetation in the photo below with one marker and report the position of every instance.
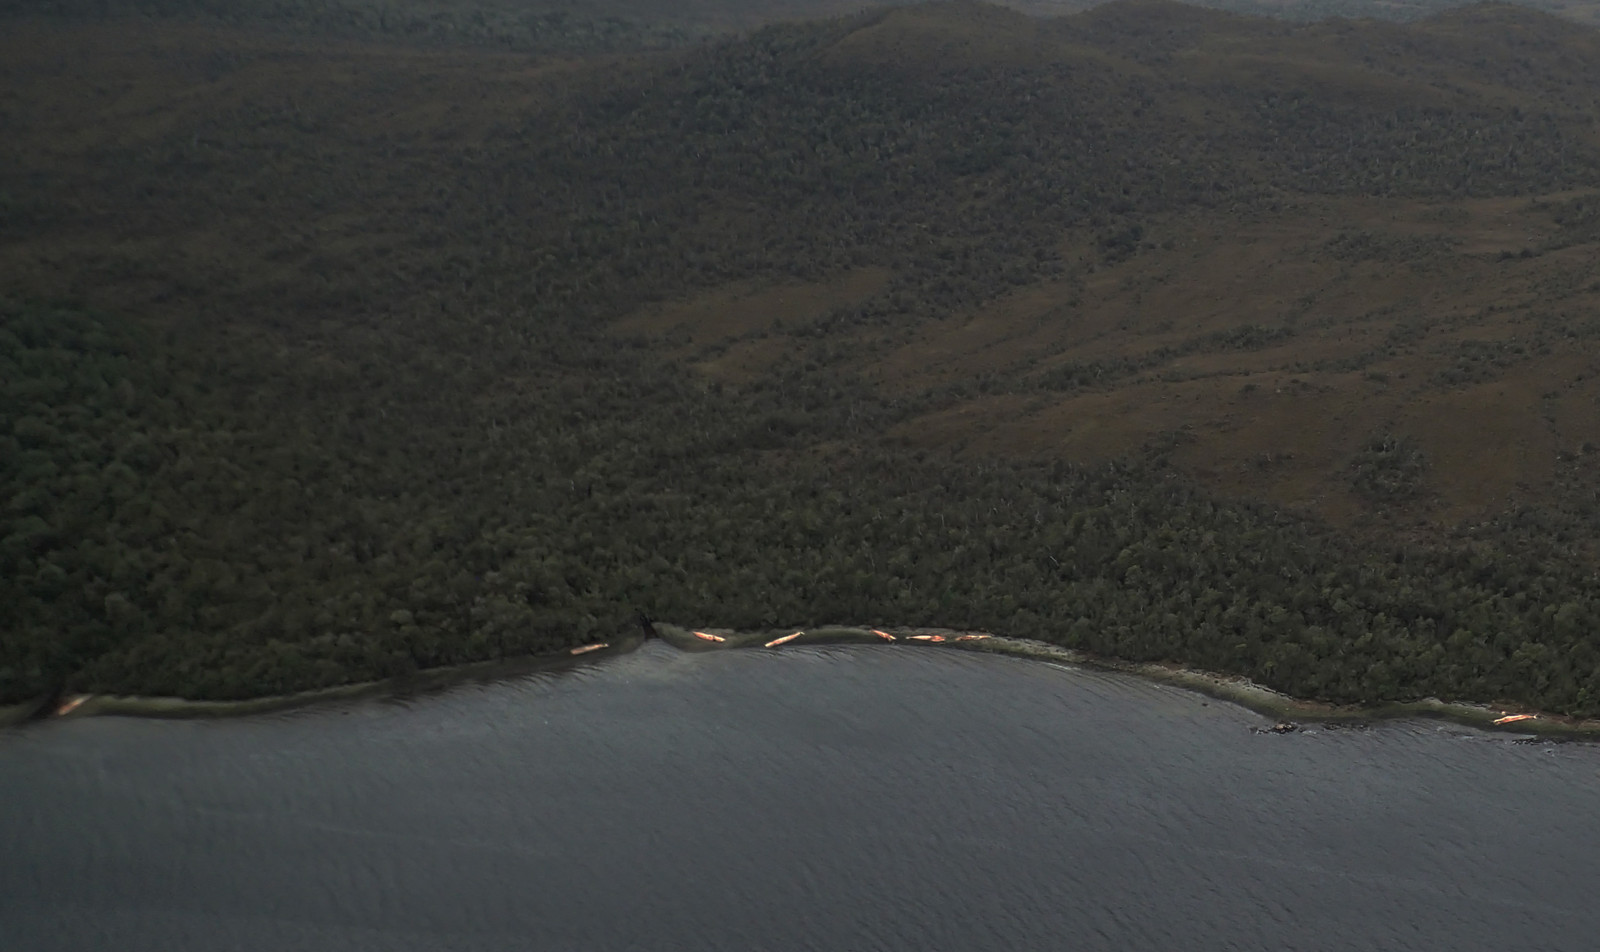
(335, 395)
(1388, 467)
(167, 537)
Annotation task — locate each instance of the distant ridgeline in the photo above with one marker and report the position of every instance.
(530, 27)
(1401, 10)
(618, 25)
(214, 527)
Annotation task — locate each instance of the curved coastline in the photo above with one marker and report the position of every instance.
(1233, 689)
(1267, 702)
(420, 682)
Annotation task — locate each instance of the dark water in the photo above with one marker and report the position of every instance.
(829, 799)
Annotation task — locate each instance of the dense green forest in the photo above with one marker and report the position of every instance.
(167, 534)
(421, 445)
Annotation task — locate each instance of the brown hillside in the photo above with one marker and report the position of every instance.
(1274, 343)
(1276, 346)
(164, 167)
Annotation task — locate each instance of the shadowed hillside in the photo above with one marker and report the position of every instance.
(1157, 331)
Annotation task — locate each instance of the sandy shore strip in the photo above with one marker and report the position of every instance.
(422, 682)
(1237, 690)
(1281, 707)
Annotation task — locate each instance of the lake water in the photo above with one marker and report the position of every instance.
(834, 799)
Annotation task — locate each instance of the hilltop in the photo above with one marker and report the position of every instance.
(1157, 331)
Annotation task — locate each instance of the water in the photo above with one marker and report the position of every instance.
(827, 798)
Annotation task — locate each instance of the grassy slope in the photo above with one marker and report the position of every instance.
(500, 347)
(1461, 321)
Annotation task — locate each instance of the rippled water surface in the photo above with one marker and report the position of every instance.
(817, 798)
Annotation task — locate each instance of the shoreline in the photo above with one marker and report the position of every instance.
(1267, 702)
(421, 682)
(1233, 689)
